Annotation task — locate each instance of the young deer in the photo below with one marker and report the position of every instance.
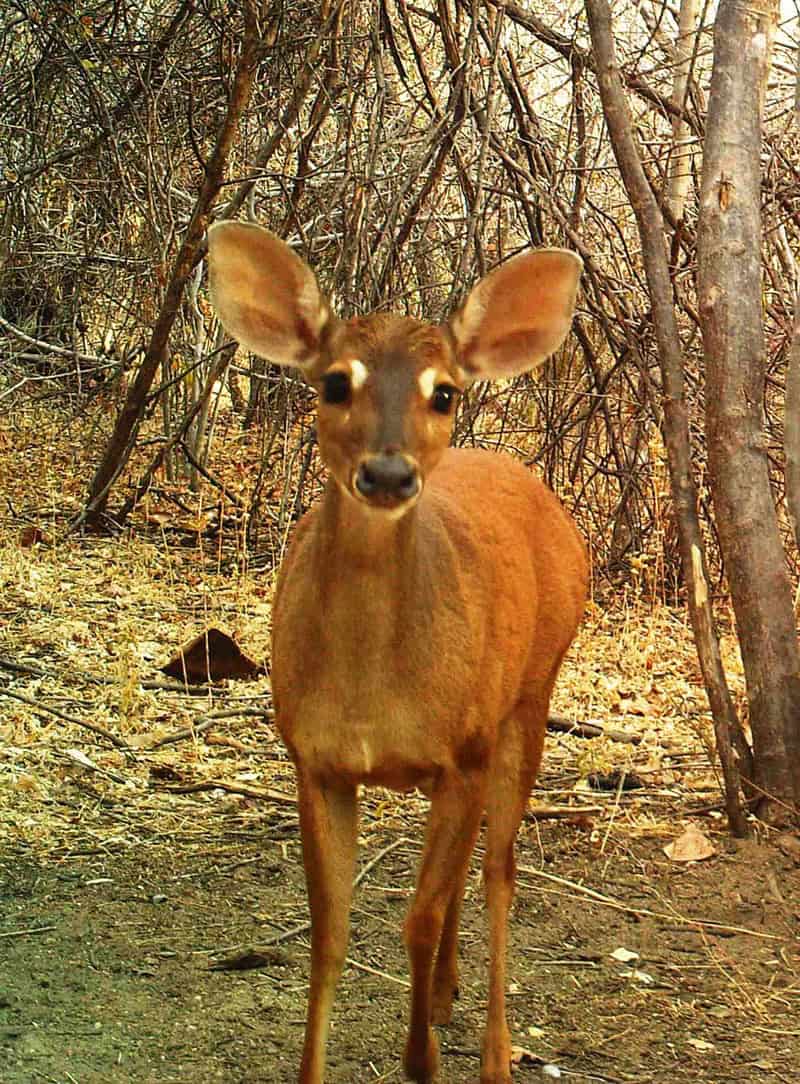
(422, 611)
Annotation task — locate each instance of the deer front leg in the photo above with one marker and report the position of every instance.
(445, 972)
(328, 825)
(455, 813)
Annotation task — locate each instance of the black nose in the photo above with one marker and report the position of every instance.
(387, 476)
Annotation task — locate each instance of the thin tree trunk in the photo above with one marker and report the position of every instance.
(676, 426)
(123, 437)
(797, 86)
(176, 438)
(729, 287)
(680, 170)
(791, 426)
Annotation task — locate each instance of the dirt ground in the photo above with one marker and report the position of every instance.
(118, 895)
(105, 960)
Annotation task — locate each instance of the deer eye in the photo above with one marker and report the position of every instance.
(443, 398)
(336, 387)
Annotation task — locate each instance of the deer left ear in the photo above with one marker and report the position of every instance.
(517, 315)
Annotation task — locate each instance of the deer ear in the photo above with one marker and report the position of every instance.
(517, 315)
(265, 295)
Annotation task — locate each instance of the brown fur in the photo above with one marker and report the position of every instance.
(416, 639)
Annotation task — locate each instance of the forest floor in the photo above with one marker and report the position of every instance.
(152, 905)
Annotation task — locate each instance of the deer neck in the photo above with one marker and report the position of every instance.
(356, 540)
(375, 592)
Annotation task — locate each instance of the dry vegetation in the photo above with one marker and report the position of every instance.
(129, 865)
(148, 830)
(94, 618)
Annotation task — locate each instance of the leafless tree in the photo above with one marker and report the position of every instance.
(730, 302)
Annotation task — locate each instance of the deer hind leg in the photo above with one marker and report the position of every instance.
(455, 813)
(512, 775)
(328, 825)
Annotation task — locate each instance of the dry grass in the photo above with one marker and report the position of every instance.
(93, 619)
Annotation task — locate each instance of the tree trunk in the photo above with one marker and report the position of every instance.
(729, 288)
(791, 426)
(123, 437)
(676, 425)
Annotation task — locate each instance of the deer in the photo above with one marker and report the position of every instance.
(422, 610)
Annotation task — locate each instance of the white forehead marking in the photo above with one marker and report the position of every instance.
(427, 382)
(358, 373)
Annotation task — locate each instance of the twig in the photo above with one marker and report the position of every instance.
(231, 788)
(614, 810)
(21, 668)
(24, 933)
(164, 686)
(204, 723)
(44, 710)
(609, 901)
(287, 935)
(75, 756)
(375, 971)
(209, 477)
(160, 684)
(590, 730)
(561, 812)
(379, 857)
(49, 348)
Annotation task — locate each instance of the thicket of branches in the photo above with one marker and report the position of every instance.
(404, 149)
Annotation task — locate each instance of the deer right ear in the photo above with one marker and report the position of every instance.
(265, 295)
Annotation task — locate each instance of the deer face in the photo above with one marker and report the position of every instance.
(388, 390)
